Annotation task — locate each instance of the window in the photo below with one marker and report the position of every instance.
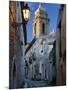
(14, 70)
(21, 43)
(45, 73)
(35, 28)
(41, 51)
(43, 28)
(17, 4)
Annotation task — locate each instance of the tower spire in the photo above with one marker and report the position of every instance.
(40, 5)
(40, 21)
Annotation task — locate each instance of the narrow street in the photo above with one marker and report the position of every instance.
(37, 44)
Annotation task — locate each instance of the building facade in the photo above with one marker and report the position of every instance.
(16, 55)
(61, 46)
(37, 64)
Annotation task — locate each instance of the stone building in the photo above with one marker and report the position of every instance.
(40, 22)
(61, 46)
(16, 55)
(37, 64)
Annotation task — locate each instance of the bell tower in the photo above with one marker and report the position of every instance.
(40, 22)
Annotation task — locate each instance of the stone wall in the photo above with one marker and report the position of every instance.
(16, 59)
(61, 53)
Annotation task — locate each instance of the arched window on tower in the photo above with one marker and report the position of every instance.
(43, 28)
(35, 29)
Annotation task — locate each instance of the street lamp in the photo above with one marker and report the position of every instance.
(25, 16)
(26, 13)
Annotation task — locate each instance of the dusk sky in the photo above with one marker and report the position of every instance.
(52, 10)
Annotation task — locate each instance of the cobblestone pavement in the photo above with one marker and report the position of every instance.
(33, 83)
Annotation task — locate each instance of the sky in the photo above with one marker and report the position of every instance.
(52, 10)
